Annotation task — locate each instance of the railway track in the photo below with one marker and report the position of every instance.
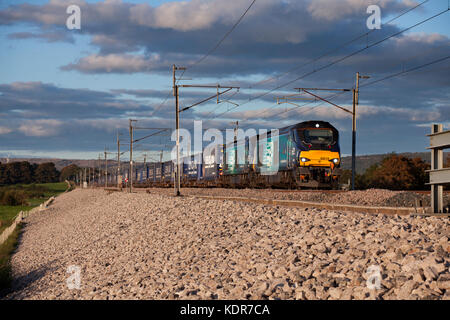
(344, 191)
(427, 192)
(321, 205)
(143, 188)
(309, 202)
(301, 204)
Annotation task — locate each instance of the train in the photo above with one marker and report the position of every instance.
(303, 155)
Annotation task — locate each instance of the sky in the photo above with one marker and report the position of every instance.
(66, 93)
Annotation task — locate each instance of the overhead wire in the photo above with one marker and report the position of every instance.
(334, 62)
(209, 52)
(372, 82)
(339, 47)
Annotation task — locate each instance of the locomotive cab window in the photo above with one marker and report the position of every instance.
(317, 136)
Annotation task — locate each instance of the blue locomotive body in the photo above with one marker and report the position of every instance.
(306, 154)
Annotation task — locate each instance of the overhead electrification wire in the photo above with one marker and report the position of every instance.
(162, 103)
(223, 38)
(300, 106)
(335, 62)
(368, 83)
(373, 82)
(208, 53)
(337, 48)
(406, 71)
(339, 60)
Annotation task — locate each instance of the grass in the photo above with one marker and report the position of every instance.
(8, 213)
(6, 249)
(54, 188)
(38, 193)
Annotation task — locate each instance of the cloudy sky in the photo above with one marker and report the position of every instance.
(65, 93)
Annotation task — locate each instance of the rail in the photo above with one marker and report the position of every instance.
(321, 205)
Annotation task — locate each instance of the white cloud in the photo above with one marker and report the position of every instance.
(400, 113)
(109, 125)
(189, 15)
(446, 125)
(330, 112)
(332, 10)
(118, 63)
(421, 38)
(41, 128)
(5, 130)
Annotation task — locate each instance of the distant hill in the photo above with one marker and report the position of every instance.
(61, 163)
(362, 162)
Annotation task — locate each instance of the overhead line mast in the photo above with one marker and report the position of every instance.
(177, 178)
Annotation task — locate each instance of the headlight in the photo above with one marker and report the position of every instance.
(304, 159)
(335, 161)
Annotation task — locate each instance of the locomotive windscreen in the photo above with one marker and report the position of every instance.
(317, 136)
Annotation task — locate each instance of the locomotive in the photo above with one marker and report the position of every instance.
(304, 155)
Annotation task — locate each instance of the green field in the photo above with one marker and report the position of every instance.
(35, 195)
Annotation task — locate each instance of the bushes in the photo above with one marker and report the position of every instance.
(400, 173)
(34, 191)
(13, 198)
(395, 172)
(29, 191)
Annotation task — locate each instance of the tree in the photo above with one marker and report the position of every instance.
(16, 172)
(46, 172)
(3, 179)
(346, 176)
(69, 172)
(419, 171)
(26, 172)
(398, 173)
(360, 179)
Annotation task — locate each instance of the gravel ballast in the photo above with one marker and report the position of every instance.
(155, 246)
(370, 197)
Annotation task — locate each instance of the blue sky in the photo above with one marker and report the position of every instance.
(118, 66)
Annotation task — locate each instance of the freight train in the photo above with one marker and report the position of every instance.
(304, 155)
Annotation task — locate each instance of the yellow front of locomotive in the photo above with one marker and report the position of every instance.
(320, 159)
(319, 156)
